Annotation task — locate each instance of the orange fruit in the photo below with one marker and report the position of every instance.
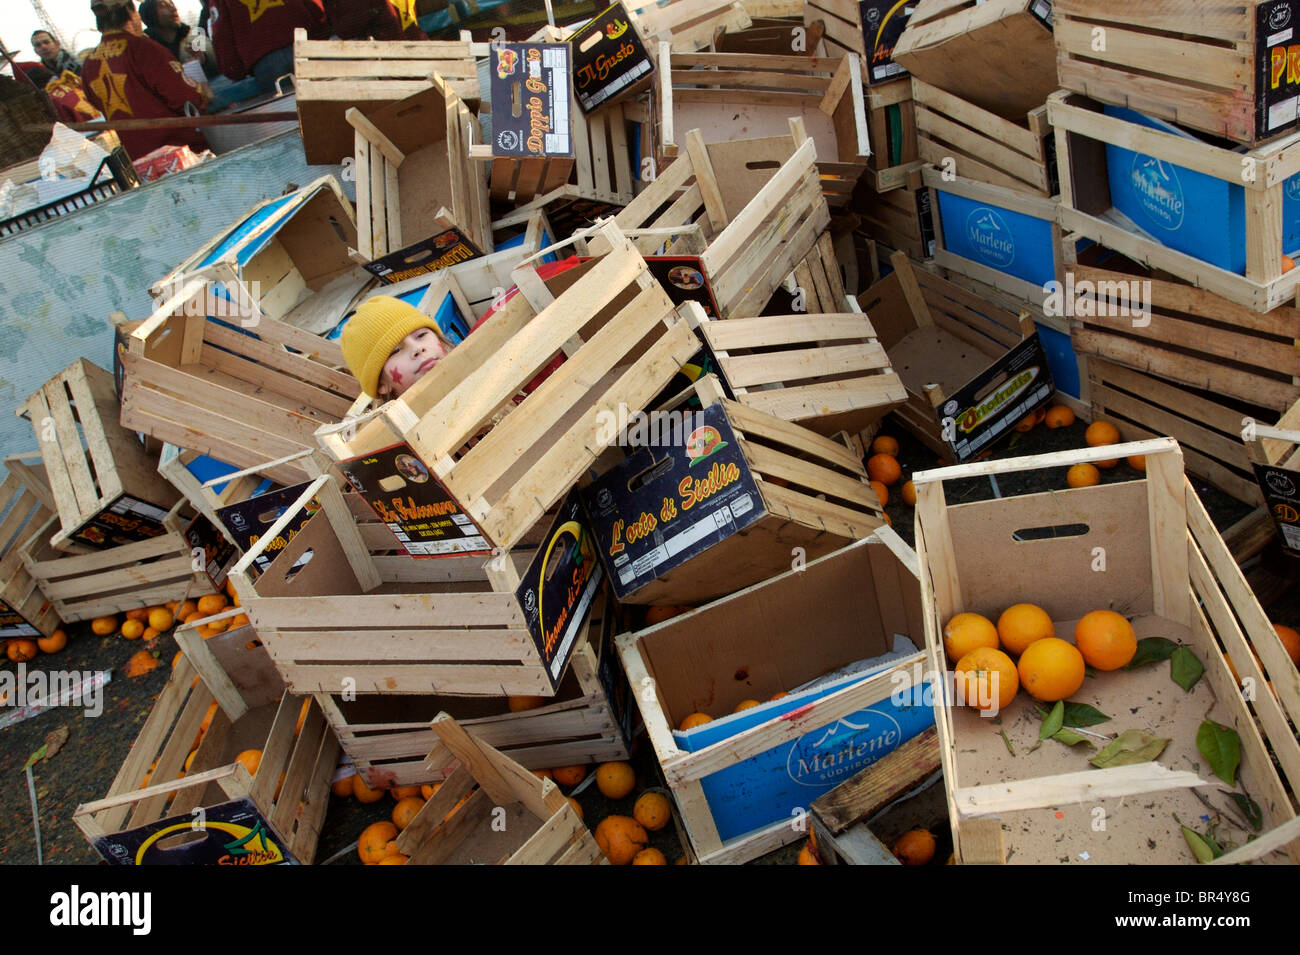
(888, 520)
(1051, 669)
(577, 806)
(780, 694)
(620, 838)
(966, 632)
(1026, 424)
(216, 626)
(363, 792)
(343, 787)
(882, 492)
(1058, 416)
(659, 614)
(884, 444)
(251, 758)
(191, 617)
(1107, 464)
(140, 663)
(1291, 640)
(652, 810)
(649, 857)
(1137, 462)
(1101, 432)
(184, 610)
(207, 718)
(20, 650)
(569, 775)
(884, 468)
(543, 774)
(1288, 264)
(746, 705)
(908, 494)
(160, 618)
(616, 780)
(372, 844)
(986, 679)
(394, 858)
(239, 620)
(138, 613)
(1082, 475)
(915, 847)
(694, 720)
(149, 634)
(132, 629)
(1022, 624)
(53, 643)
(428, 789)
(403, 792)
(103, 626)
(808, 855)
(519, 704)
(212, 603)
(302, 717)
(405, 811)
(189, 760)
(1105, 639)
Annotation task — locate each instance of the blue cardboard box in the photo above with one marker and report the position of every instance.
(1014, 243)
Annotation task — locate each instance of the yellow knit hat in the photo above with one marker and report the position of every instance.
(370, 335)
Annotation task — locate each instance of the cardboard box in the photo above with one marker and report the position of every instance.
(869, 28)
(610, 63)
(26, 500)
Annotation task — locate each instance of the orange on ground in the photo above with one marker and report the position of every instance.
(395, 858)
(915, 847)
(808, 855)
(103, 626)
(518, 704)
(372, 844)
(616, 780)
(191, 617)
(658, 614)
(1288, 264)
(1026, 424)
(1137, 462)
(908, 494)
(884, 468)
(22, 649)
(172, 605)
(220, 625)
(53, 643)
(620, 838)
(149, 634)
(649, 857)
(402, 792)
(884, 444)
(966, 632)
(428, 789)
(746, 705)
(1105, 639)
(569, 775)
(207, 718)
(239, 620)
(1059, 416)
(1051, 669)
(652, 810)
(251, 758)
(141, 662)
(363, 792)
(302, 717)
(405, 810)
(694, 720)
(212, 603)
(1107, 464)
(1022, 624)
(138, 613)
(1291, 640)
(577, 806)
(882, 492)
(1083, 475)
(543, 774)
(343, 787)
(184, 610)
(986, 679)
(133, 629)
(160, 618)
(1101, 432)
(777, 695)
(177, 659)
(888, 520)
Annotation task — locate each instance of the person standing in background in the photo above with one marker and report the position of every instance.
(53, 56)
(64, 90)
(256, 36)
(129, 76)
(163, 24)
(376, 19)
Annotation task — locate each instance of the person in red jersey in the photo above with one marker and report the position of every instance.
(376, 19)
(129, 76)
(255, 37)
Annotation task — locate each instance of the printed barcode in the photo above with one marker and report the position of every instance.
(555, 58)
(556, 143)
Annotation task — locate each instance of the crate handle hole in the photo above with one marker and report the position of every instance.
(991, 387)
(393, 482)
(763, 164)
(642, 478)
(270, 515)
(591, 41)
(516, 100)
(419, 255)
(181, 839)
(1049, 532)
(299, 564)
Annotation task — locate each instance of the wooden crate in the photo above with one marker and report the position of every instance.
(688, 25)
(1082, 133)
(998, 54)
(941, 339)
(901, 219)
(891, 126)
(281, 254)
(1200, 65)
(1274, 448)
(733, 96)
(844, 31)
(826, 372)
(388, 738)
(712, 658)
(1167, 569)
(28, 505)
(539, 827)
(747, 245)
(414, 175)
(238, 397)
(273, 816)
(102, 479)
(624, 343)
(331, 76)
(981, 145)
(770, 36)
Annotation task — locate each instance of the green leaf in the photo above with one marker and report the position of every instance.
(1221, 746)
(1052, 724)
(1071, 738)
(1151, 650)
(1202, 848)
(1185, 668)
(36, 757)
(1006, 739)
(1081, 714)
(1129, 748)
(1249, 808)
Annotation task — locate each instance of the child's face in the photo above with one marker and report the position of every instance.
(411, 359)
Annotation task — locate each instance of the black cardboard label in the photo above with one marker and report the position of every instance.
(219, 555)
(1277, 67)
(438, 252)
(608, 59)
(1281, 489)
(14, 624)
(977, 422)
(883, 22)
(530, 99)
(415, 505)
(925, 218)
(127, 520)
(232, 833)
(249, 520)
